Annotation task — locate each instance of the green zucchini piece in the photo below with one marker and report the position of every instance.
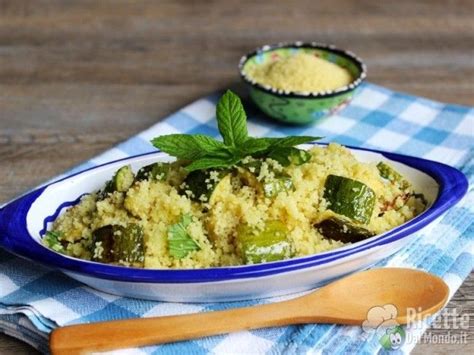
(118, 244)
(350, 198)
(123, 179)
(299, 156)
(157, 171)
(131, 245)
(103, 244)
(107, 189)
(290, 155)
(121, 182)
(202, 183)
(271, 244)
(281, 182)
(270, 187)
(342, 229)
(180, 243)
(389, 173)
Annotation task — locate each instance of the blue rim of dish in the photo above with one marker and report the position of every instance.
(314, 45)
(15, 237)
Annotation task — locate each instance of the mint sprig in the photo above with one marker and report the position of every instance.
(232, 120)
(189, 147)
(212, 162)
(205, 152)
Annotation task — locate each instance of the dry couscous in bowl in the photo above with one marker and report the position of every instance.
(301, 83)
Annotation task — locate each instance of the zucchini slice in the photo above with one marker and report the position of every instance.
(270, 187)
(389, 173)
(156, 171)
(123, 179)
(349, 198)
(281, 182)
(343, 229)
(292, 155)
(121, 182)
(119, 245)
(203, 183)
(271, 244)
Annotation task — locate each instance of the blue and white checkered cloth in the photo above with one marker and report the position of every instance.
(34, 299)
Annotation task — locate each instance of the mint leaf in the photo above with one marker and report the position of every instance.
(231, 119)
(180, 242)
(212, 162)
(188, 147)
(291, 141)
(254, 145)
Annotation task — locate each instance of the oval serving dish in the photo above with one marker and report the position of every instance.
(25, 220)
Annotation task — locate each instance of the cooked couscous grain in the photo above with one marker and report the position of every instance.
(211, 226)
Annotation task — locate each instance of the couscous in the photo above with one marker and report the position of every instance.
(301, 72)
(233, 208)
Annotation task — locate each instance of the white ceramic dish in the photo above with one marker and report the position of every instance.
(24, 221)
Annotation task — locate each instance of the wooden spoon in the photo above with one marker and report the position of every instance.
(345, 301)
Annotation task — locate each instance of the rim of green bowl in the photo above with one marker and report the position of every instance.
(315, 45)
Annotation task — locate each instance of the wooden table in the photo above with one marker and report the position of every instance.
(76, 77)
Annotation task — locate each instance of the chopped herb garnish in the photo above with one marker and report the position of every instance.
(205, 152)
(51, 239)
(180, 242)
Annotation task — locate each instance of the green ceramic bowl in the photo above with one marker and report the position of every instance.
(302, 107)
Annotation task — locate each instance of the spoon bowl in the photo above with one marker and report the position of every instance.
(411, 292)
(399, 293)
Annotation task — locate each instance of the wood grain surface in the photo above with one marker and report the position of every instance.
(77, 77)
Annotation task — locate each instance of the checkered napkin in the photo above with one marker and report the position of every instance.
(34, 299)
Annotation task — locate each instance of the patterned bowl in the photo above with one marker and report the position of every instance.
(302, 107)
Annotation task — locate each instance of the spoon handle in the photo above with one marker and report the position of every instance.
(83, 338)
